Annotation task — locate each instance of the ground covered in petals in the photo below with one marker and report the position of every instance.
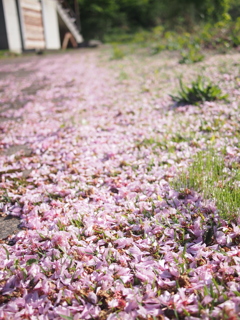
(90, 149)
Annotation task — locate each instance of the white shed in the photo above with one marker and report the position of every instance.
(35, 25)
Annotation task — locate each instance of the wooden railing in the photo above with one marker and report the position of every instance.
(74, 16)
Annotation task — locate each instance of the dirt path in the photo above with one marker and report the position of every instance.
(30, 85)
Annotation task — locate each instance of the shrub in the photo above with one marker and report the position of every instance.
(191, 56)
(223, 35)
(157, 48)
(117, 53)
(235, 33)
(200, 90)
(171, 40)
(141, 37)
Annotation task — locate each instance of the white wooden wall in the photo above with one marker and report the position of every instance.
(38, 22)
(12, 25)
(50, 21)
(32, 24)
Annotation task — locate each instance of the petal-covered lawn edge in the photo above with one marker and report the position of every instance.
(104, 234)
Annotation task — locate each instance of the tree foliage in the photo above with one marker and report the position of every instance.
(99, 17)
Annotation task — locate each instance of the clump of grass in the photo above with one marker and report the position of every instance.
(157, 48)
(117, 53)
(200, 90)
(209, 176)
(7, 54)
(123, 76)
(192, 55)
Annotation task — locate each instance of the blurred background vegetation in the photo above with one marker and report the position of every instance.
(118, 20)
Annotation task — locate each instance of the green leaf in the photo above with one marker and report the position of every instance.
(31, 261)
(7, 252)
(65, 317)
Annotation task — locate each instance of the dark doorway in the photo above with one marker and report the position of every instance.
(3, 30)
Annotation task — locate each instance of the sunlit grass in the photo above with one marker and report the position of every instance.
(209, 175)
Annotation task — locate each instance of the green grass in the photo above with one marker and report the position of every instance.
(8, 54)
(117, 53)
(157, 48)
(192, 55)
(210, 176)
(200, 90)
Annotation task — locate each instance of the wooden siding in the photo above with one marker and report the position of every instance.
(32, 24)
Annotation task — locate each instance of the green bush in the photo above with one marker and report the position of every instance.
(200, 90)
(157, 48)
(191, 56)
(141, 37)
(222, 35)
(117, 53)
(171, 40)
(235, 33)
